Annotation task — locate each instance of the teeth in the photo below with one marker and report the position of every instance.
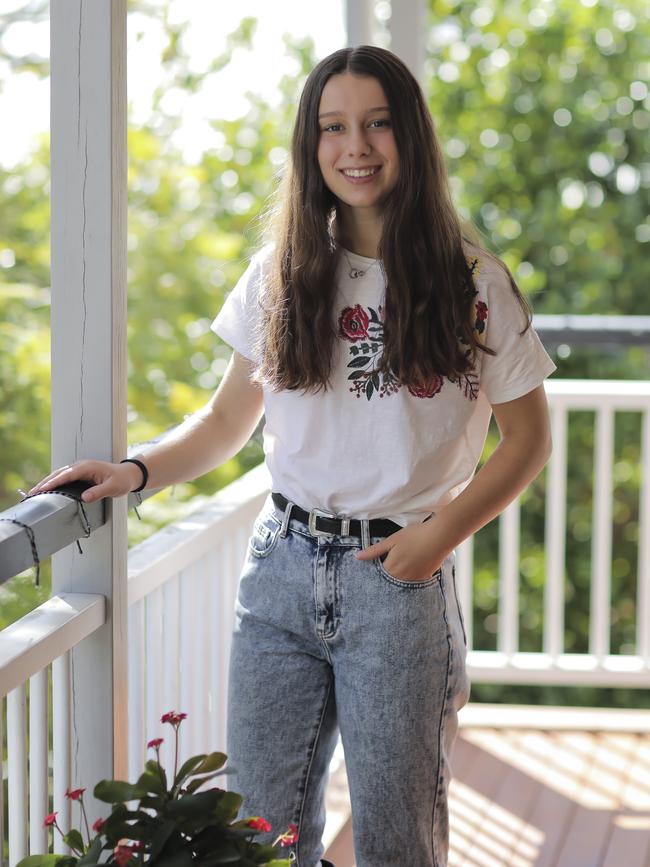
(359, 173)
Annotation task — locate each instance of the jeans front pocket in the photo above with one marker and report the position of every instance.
(400, 582)
(264, 536)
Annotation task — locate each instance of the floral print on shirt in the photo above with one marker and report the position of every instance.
(363, 328)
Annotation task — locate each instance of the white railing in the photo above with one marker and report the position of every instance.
(182, 588)
(181, 591)
(28, 647)
(552, 665)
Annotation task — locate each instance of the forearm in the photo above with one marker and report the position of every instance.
(201, 443)
(512, 466)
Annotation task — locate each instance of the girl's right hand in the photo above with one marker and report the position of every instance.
(110, 480)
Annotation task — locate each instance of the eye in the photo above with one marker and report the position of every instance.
(331, 127)
(382, 121)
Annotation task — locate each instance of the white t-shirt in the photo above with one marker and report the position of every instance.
(369, 447)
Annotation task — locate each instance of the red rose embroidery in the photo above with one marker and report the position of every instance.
(428, 390)
(353, 323)
(481, 311)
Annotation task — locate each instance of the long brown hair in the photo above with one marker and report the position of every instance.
(428, 324)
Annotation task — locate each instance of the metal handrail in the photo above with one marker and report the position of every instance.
(592, 330)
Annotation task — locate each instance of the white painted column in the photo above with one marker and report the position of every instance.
(359, 22)
(89, 360)
(408, 30)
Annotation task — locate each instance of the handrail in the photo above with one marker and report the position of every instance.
(30, 644)
(55, 519)
(592, 330)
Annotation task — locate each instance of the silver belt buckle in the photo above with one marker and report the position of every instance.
(319, 513)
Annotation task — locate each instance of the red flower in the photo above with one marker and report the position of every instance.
(98, 826)
(50, 820)
(155, 743)
(74, 794)
(172, 717)
(353, 323)
(259, 824)
(481, 311)
(123, 854)
(289, 837)
(428, 390)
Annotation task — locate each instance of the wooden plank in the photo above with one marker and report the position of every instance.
(629, 842)
(475, 786)
(598, 797)
(560, 760)
(505, 834)
(553, 719)
(527, 798)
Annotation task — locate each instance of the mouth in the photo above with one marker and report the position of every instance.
(360, 173)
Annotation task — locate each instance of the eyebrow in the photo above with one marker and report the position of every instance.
(370, 111)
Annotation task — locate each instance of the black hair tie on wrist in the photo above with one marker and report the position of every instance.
(145, 472)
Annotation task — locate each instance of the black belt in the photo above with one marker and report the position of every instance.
(324, 524)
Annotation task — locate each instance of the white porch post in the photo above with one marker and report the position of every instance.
(408, 26)
(359, 19)
(88, 255)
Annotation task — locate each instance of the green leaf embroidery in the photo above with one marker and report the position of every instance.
(361, 361)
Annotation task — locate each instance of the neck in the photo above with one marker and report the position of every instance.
(358, 231)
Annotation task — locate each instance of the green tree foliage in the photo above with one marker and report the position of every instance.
(543, 114)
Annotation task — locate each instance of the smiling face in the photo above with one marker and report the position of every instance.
(357, 153)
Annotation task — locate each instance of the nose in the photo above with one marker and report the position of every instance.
(358, 144)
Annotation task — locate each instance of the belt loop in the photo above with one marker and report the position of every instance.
(285, 519)
(365, 532)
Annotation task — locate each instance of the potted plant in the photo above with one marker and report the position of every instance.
(175, 824)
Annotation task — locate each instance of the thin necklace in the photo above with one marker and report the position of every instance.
(355, 273)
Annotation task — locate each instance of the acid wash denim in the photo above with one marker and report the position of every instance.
(324, 643)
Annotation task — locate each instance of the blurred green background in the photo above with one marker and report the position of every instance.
(543, 111)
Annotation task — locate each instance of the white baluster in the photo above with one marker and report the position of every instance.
(17, 793)
(508, 633)
(61, 704)
(643, 580)
(171, 664)
(556, 472)
(601, 558)
(137, 737)
(38, 763)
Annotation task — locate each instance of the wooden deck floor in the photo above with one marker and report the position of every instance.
(536, 787)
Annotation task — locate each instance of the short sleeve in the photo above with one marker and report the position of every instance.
(238, 320)
(521, 362)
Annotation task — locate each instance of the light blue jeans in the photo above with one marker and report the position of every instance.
(324, 643)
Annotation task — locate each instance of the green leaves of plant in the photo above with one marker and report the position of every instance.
(93, 853)
(201, 764)
(74, 840)
(117, 791)
(46, 861)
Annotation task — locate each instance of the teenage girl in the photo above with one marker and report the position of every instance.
(377, 339)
